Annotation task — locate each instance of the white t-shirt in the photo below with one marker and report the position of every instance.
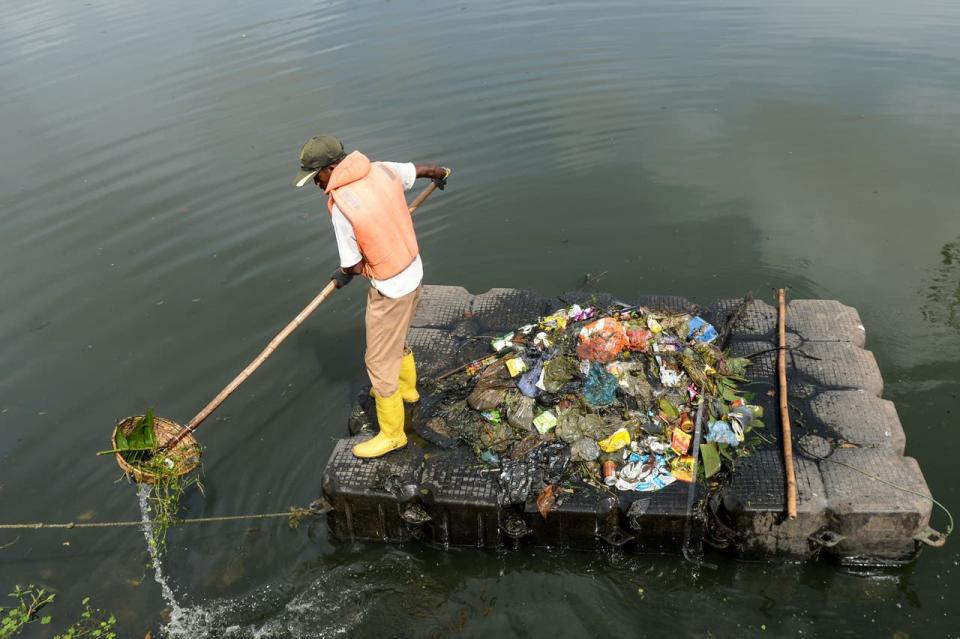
(406, 280)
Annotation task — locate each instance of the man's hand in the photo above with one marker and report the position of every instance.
(442, 181)
(438, 174)
(341, 278)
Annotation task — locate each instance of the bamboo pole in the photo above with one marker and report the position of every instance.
(784, 411)
(274, 343)
(423, 196)
(255, 364)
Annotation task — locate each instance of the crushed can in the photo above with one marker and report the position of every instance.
(609, 472)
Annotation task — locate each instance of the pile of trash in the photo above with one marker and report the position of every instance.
(608, 398)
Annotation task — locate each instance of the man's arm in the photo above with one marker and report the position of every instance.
(431, 171)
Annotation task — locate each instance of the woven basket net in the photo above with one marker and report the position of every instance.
(184, 457)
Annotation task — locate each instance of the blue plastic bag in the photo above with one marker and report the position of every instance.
(528, 382)
(601, 386)
(722, 433)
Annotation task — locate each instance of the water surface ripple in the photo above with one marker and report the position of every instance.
(150, 244)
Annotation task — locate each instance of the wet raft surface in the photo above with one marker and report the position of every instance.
(446, 496)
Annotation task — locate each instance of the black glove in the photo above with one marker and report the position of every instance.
(442, 182)
(341, 278)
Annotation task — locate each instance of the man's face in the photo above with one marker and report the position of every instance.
(322, 177)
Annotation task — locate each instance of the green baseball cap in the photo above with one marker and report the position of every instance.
(318, 152)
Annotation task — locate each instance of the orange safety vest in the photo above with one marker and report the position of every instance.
(370, 195)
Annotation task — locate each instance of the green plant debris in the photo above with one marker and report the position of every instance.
(29, 602)
(138, 445)
(736, 367)
(297, 515)
(165, 494)
(668, 409)
(93, 623)
(711, 459)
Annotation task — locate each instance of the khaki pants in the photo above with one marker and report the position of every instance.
(387, 323)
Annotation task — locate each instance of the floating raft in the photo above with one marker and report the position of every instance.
(845, 438)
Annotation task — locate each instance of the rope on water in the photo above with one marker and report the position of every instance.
(293, 515)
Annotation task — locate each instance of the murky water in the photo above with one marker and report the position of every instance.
(150, 244)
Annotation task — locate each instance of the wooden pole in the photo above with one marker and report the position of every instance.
(423, 196)
(264, 354)
(274, 343)
(784, 411)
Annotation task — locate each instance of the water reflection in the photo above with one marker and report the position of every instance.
(694, 148)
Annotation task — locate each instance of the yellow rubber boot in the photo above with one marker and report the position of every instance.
(390, 437)
(408, 379)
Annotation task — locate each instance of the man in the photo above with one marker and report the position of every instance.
(375, 238)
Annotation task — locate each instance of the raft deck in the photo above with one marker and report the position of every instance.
(444, 495)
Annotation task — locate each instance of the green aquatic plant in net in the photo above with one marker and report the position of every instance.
(165, 495)
(140, 449)
(140, 443)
